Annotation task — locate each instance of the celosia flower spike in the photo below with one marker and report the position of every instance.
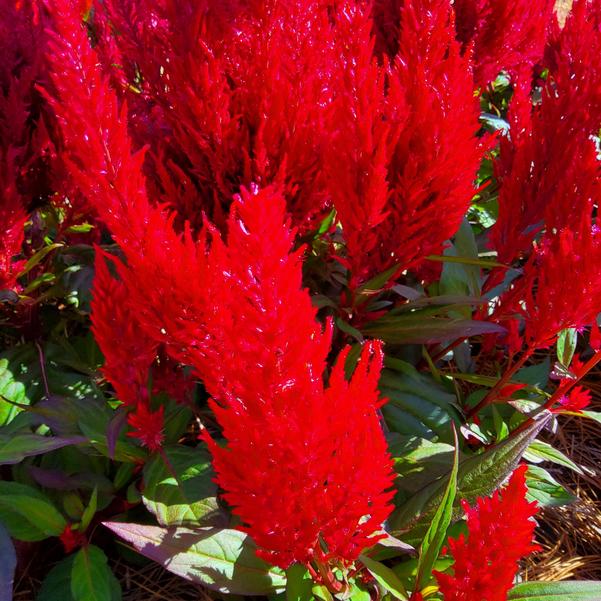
(304, 463)
(500, 533)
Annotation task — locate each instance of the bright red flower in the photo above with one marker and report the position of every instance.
(576, 400)
(403, 151)
(548, 169)
(542, 299)
(505, 36)
(303, 461)
(128, 351)
(71, 539)
(147, 426)
(500, 533)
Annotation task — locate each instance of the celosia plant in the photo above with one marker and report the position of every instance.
(283, 290)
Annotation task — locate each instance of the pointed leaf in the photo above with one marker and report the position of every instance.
(27, 513)
(182, 492)
(556, 591)
(436, 534)
(91, 577)
(220, 559)
(14, 448)
(478, 476)
(543, 451)
(385, 577)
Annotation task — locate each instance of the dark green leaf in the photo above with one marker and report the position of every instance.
(220, 559)
(27, 513)
(91, 577)
(90, 510)
(478, 476)
(417, 405)
(57, 584)
(14, 448)
(182, 492)
(417, 328)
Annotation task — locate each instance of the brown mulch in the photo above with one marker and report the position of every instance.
(571, 535)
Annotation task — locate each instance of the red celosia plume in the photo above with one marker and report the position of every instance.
(500, 533)
(404, 153)
(304, 463)
(505, 36)
(548, 169)
(542, 299)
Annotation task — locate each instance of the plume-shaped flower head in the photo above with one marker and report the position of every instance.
(305, 464)
(500, 533)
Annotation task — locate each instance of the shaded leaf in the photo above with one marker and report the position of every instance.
(91, 577)
(220, 559)
(14, 448)
(27, 513)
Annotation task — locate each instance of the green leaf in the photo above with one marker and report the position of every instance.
(91, 577)
(38, 257)
(544, 489)
(594, 415)
(556, 591)
(418, 461)
(417, 328)
(220, 559)
(14, 448)
(543, 451)
(417, 405)
(57, 583)
(10, 390)
(182, 492)
(437, 532)
(478, 476)
(385, 577)
(299, 583)
(90, 510)
(27, 513)
(566, 345)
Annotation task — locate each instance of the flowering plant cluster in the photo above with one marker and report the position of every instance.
(283, 297)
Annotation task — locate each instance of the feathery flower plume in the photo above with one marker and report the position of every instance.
(406, 136)
(541, 298)
(305, 465)
(500, 533)
(505, 36)
(548, 166)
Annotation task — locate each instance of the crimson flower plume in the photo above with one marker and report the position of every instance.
(505, 36)
(403, 152)
(500, 533)
(305, 464)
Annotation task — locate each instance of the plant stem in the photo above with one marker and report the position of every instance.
(561, 390)
(505, 378)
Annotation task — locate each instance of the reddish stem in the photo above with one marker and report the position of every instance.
(505, 378)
